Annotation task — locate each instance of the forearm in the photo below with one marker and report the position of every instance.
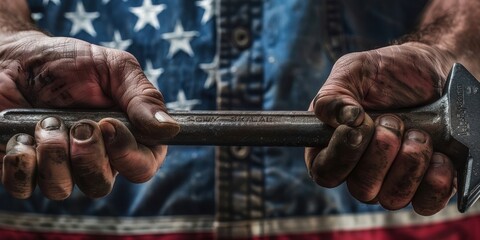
(454, 26)
(14, 17)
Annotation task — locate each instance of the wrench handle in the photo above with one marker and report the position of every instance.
(222, 128)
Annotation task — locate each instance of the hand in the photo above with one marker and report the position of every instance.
(379, 159)
(41, 71)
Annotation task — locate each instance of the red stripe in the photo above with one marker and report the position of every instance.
(463, 229)
(21, 235)
(466, 228)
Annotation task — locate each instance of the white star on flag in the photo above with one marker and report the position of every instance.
(182, 104)
(152, 74)
(82, 20)
(147, 14)
(207, 5)
(211, 70)
(179, 40)
(117, 42)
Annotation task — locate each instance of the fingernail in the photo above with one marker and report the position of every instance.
(438, 160)
(82, 131)
(390, 121)
(50, 123)
(24, 139)
(163, 117)
(109, 132)
(348, 114)
(354, 137)
(417, 136)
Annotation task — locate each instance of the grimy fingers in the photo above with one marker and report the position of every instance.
(19, 166)
(366, 179)
(134, 161)
(407, 170)
(90, 166)
(333, 164)
(54, 177)
(437, 186)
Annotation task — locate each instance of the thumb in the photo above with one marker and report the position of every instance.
(337, 108)
(338, 101)
(136, 96)
(147, 113)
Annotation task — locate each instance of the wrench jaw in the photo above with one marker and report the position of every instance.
(469, 184)
(463, 92)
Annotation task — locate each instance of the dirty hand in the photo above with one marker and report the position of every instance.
(379, 159)
(41, 71)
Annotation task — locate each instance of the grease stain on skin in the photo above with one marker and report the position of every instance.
(57, 155)
(20, 175)
(44, 80)
(15, 163)
(93, 184)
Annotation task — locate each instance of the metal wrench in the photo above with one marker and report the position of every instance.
(452, 121)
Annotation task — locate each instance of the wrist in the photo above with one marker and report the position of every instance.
(452, 26)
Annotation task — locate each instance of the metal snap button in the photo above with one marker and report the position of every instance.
(240, 152)
(241, 37)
